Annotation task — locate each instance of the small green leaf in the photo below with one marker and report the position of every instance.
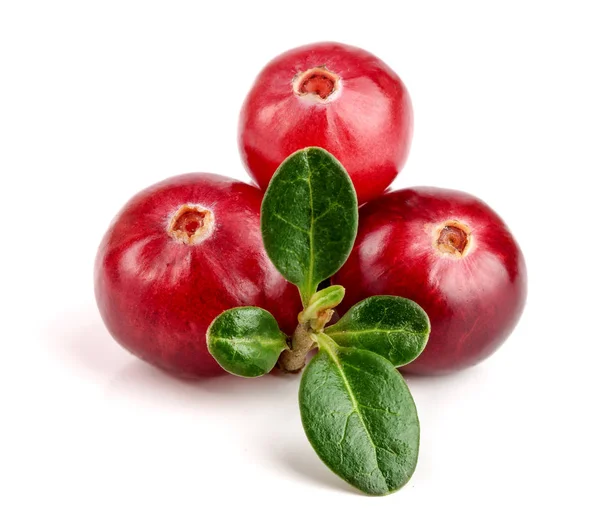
(309, 218)
(360, 417)
(393, 327)
(246, 341)
(325, 299)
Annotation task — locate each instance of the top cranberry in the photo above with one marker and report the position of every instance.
(334, 96)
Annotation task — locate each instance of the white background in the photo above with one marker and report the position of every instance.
(101, 99)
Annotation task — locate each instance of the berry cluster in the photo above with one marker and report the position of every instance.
(201, 274)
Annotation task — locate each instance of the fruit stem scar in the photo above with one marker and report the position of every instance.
(453, 238)
(191, 224)
(318, 84)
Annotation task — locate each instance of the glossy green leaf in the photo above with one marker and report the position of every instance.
(309, 218)
(246, 341)
(393, 327)
(325, 299)
(360, 417)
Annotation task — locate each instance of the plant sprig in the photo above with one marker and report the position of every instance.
(356, 408)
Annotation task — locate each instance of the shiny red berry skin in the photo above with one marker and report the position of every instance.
(334, 96)
(453, 255)
(177, 255)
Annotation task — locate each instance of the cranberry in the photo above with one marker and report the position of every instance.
(452, 254)
(176, 256)
(333, 96)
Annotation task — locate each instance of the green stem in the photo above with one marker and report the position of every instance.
(312, 321)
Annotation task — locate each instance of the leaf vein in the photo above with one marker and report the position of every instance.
(279, 216)
(346, 427)
(389, 411)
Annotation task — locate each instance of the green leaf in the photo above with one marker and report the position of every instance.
(393, 327)
(325, 299)
(360, 417)
(309, 218)
(246, 341)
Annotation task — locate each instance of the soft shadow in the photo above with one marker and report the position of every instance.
(139, 379)
(294, 454)
(82, 342)
(276, 437)
(458, 378)
(85, 347)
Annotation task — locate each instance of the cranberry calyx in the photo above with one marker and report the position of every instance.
(453, 238)
(318, 82)
(191, 224)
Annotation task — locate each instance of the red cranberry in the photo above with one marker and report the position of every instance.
(176, 256)
(452, 254)
(334, 96)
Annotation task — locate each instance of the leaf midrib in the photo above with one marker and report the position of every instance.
(311, 264)
(375, 330)
(250, 340)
